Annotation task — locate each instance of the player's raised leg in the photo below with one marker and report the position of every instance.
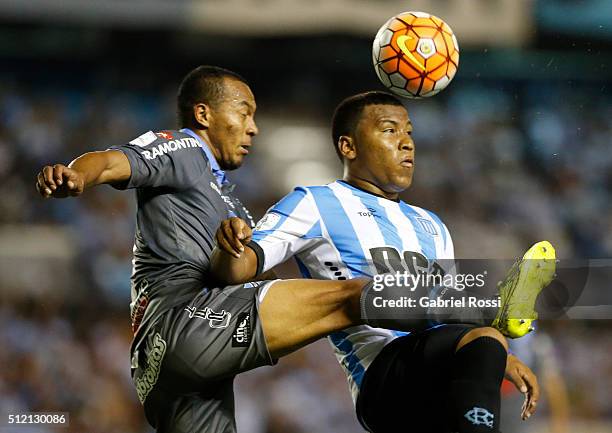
(457, 370)
(296, 312)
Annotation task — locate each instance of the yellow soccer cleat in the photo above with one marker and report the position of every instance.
(521, 287)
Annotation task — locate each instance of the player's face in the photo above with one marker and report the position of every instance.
(232, 124)
(384, 147)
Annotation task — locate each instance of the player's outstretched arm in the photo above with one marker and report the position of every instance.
(232, 260)
(89, 169)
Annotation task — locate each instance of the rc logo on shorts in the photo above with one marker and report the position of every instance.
(147, 380)
(242, 334)
(480, 416)
(215, 320)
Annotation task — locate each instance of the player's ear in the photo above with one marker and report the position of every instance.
(201, 114)
(346, 146)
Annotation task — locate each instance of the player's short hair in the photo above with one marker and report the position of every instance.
(203, 84)
(348, 112)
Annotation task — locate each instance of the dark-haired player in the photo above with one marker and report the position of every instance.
(192, 338)
(444, 379)
(183, 194)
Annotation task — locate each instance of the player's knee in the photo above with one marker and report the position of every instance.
(481, 332)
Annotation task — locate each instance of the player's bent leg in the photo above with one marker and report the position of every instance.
(295, 313)
(479, 363)
(408, 381)
(412, 376)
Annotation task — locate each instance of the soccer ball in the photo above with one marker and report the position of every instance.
(415, 54)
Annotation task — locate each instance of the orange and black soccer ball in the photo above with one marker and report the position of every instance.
(415, 54)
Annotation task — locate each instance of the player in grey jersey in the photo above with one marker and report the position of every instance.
(192, 338)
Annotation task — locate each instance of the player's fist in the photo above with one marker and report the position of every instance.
(232, 236)
(59, 181)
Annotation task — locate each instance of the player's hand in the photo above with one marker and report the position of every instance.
(233, 235)
(526, 382)
(59, 181)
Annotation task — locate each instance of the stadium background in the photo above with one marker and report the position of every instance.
(517, 149)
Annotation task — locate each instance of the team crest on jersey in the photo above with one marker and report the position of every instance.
(427, 226)
(145, 139)
(268, 222)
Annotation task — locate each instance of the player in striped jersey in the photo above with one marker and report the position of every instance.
(443, 379)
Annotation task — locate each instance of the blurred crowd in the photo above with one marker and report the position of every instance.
(504, 165)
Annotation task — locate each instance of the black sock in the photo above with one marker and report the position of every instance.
(474, 397)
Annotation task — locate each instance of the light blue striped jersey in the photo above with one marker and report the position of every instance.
(335, 231)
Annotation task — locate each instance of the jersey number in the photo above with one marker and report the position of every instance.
(388, 260)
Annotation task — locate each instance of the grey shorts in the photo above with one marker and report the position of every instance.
(188, 360)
